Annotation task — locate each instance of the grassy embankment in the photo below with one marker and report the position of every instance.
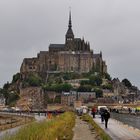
(58, 128)
(99, 130)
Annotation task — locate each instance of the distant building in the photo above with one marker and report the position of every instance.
(69, 98)
(86, 97)
(74, 55)
(108, 93)
(124, 94)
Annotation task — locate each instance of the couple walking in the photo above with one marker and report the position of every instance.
(105, 115)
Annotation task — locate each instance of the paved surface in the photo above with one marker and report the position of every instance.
(82, 131)
(119, 131)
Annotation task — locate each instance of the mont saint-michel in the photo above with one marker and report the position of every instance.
(74, 55)
(66, 92)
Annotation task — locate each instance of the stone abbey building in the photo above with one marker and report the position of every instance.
(74, 55)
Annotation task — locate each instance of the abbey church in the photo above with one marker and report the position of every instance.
(74, 55)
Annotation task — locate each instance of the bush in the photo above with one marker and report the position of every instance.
(58, 87)
(16, 77)
(33, 80)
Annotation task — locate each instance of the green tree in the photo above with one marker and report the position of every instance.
(6, 95)
(5, 92)
(127, 83)
(66, 87)
(107, 86)
(99, 93)
(16, 77)
(84, 88)
(84, 82)
(92, 80)
(107, 76)
(12, 98)
(6, 86)
(95, 80)
(66, 76)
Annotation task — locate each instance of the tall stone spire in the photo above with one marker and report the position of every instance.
(69, 34)
(70, 23)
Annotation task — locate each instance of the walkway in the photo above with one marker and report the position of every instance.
(119, 131)
(82, 131)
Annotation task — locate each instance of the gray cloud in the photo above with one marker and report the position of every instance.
(113, 26)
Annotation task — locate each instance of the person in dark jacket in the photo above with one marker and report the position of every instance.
(101, 112)
(106, 116)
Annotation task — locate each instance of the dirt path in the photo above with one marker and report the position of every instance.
(82, 131)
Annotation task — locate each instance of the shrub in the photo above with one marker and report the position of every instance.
(84, 88)
(33, 80)
(58, 87)
(16, 77)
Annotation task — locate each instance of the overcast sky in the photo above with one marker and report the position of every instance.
(111, 26)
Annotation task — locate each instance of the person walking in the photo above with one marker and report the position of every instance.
(102, 114)
(93, 112)
(106, 116)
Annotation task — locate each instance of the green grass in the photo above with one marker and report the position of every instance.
(98, 129)
(59, 128)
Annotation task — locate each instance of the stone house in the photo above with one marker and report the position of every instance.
(68, 98)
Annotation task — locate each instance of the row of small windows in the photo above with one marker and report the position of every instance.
(69, 39)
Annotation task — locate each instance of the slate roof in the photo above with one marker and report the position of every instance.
(57, 46)
(77, 39)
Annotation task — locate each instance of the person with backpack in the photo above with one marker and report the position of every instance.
(101, 112)
(106, 116)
